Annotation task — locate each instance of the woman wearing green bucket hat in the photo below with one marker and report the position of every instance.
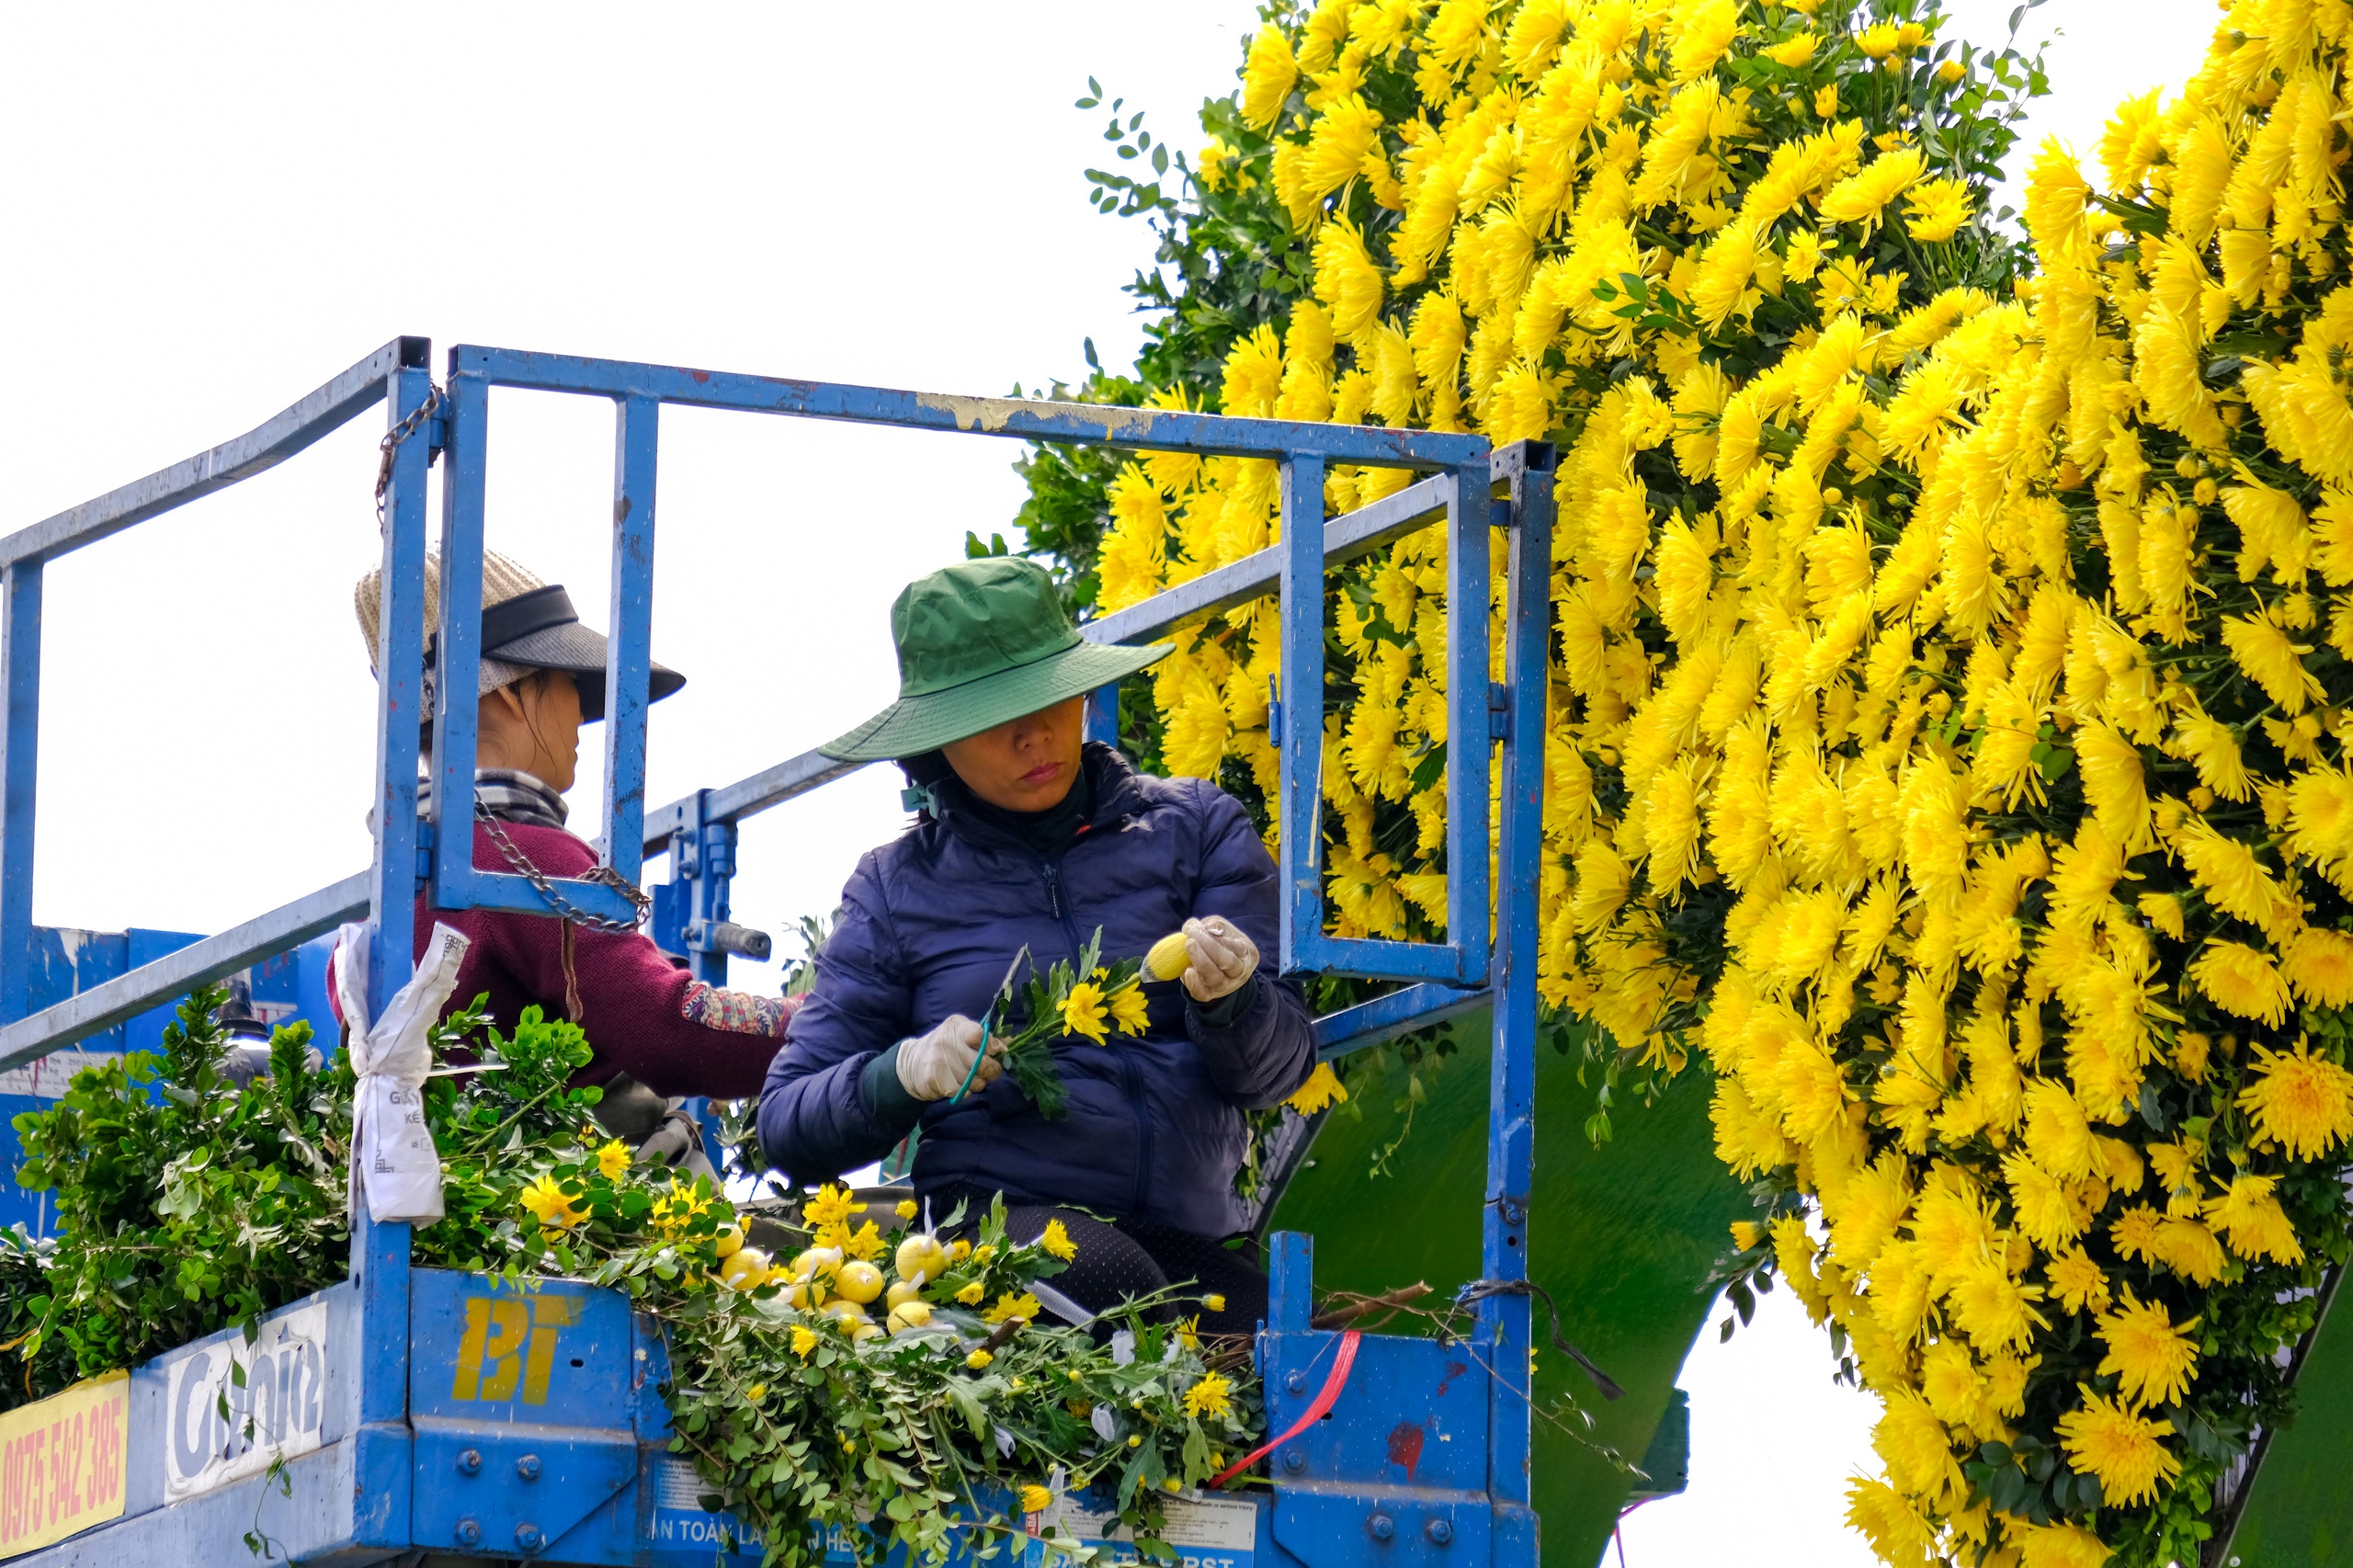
(1029, 839)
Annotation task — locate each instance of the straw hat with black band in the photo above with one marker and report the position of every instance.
(526, 625)
(980, 644)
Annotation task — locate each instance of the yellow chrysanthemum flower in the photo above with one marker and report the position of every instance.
(613, 1160)
(2250, 1219)
(1083, 1012)
(1024, 1306)
(1267, 77)
(832, 1206)
(865, 1244)
(1130, 1013)
(2076, 1282)
(2301, 1101)
(2123, 1451)
(1056, 1241)
(1935, 209)
(1323, 1088)
(2242, 980)
(1036, 1499)
(2153, 1358)
(547, 1202)
(1210, 1395)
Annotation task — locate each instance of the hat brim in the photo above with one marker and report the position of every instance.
(579, 652)
(914, 725)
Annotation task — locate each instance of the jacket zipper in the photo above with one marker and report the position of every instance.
(1129, 1078)
(1062, 910)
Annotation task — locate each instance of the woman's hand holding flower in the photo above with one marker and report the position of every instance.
(935, 1065)
(1223, 959)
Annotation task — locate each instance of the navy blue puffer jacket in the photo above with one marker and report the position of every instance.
(927, 928)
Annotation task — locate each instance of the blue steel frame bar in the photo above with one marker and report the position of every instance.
(628, 675)
(1511, 1142)
(1345, 538)
(21, 585)
(1383, 1018)
(1021, 419)
(382, 1441)
(126, 995)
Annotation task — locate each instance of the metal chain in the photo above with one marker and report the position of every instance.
(522, 863)
(392, 441)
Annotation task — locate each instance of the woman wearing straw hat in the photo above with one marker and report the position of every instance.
(658, 1033)
(1030, 840)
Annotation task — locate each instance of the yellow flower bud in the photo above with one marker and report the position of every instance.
(1170, 956)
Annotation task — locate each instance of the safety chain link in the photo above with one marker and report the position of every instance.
(391, 442)
(522, 865)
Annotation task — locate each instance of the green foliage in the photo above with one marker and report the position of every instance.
(179, 1214)
(208, 1205)
(931, 1432)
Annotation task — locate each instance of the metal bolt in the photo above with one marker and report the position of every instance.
(1293, 1460)
(527, 1467)
(468, 1533)
(1381, 1525)
(528, 1537)
(1439, 1532)
(470, 1462)
(1296, 1383)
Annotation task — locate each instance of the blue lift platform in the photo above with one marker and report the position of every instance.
(414, 1414)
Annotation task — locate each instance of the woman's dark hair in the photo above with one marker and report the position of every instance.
(926, 769)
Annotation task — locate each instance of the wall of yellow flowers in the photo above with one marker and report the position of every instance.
(1948, 704)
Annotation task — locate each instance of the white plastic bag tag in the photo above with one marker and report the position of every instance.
(392, 1147)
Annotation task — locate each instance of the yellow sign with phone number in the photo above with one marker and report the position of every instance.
(62, 1463)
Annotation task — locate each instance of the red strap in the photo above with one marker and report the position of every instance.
(1325, 1397)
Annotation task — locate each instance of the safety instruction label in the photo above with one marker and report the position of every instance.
(1205, 1532)
(62, 1463)
(678, 1515)
(233, 1409)
(679, 1520)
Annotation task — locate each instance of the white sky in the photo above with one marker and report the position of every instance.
(215, 209)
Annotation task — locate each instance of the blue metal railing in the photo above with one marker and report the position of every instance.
(430, 855)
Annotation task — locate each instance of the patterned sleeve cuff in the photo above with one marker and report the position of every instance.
(736, 1012)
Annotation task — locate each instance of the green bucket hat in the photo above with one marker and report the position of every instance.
(981, 643)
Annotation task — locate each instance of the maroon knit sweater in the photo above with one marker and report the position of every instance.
(643, 1016)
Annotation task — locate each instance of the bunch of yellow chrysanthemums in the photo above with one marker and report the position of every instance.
(1951, 697)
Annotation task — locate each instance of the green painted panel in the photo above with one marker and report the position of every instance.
(1623, 1236)
(2300, 1513)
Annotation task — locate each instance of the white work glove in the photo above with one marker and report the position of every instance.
(1223, 959)
(935, 1065)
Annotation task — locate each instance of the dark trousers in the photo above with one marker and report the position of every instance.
(1120, 1259)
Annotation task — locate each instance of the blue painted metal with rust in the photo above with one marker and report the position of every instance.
(427, 1410)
